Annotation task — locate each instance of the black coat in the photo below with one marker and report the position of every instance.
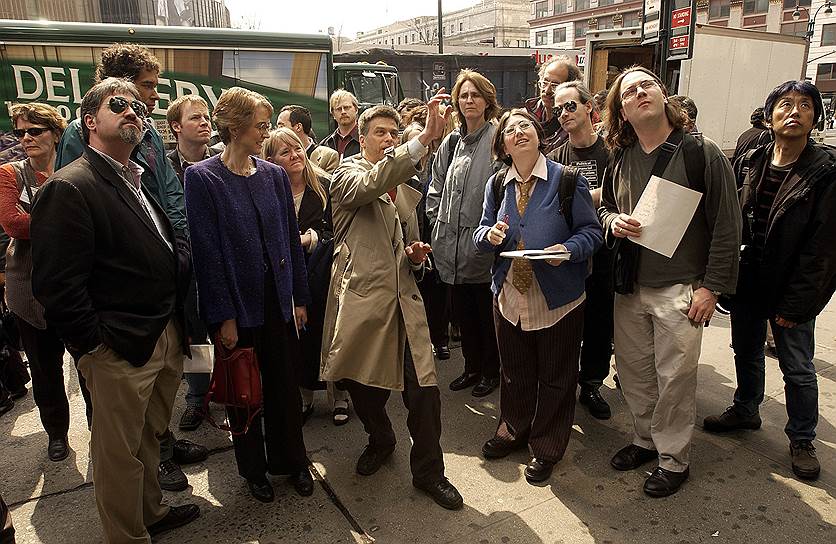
(313, 216)
(100, 267)
(795, 275)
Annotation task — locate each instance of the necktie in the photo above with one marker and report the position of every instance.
(522, 267)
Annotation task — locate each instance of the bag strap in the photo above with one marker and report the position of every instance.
(496, 189)
(26, 177)
(452, 144)
(568, 184)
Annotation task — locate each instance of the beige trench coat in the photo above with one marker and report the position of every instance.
(373, 304)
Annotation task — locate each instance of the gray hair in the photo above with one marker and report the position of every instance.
(572, 71)
(93, 99)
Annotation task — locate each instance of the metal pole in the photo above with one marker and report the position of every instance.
(440, 31)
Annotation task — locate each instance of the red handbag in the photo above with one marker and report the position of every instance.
(235, 383)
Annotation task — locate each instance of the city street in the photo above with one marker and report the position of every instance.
(741, 489)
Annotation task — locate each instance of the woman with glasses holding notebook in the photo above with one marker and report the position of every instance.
(38, 127)
(538, 309)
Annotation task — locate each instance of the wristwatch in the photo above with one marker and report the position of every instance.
(717, 294)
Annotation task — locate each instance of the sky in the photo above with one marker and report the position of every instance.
(307, 16)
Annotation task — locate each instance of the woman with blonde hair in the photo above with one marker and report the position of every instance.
(309, 185)
(251, 282)
(39, 128)
(462, 165)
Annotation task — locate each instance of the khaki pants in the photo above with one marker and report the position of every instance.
(657, 349)
(132, 410)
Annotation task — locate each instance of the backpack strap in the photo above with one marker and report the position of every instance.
(452, 143)
(566, 190)
(692, 149)
(496, 189)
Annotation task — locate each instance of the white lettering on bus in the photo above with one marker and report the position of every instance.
(76, 85)
(39, 84)
(51, 85)
(181, 86)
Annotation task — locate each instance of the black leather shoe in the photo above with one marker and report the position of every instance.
(485, 387)
(497, 448)
(372, 459)
(595, 403)
(261, 490)
(632, 456)
(58, 449)
(191, 419)
(303, 482)
(464, 381)
(443, 493)
(662, 483)
(171, 476)
(731, 420)
(19, 394)
(442, 352)
(538, 470)
(6, 405)
(187, 452)
(177, 517)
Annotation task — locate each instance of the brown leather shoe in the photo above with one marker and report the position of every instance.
(731, 420)
(805, 464)
(662, 483)
(177, 517)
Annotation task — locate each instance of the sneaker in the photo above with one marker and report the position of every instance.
(191, 419)
(805, 464)
(171, 477)
(731, 420)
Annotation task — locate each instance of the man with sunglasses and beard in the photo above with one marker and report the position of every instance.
(111, 277)
(574, 106)
(136, 63)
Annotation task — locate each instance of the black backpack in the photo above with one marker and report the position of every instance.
(568, 183)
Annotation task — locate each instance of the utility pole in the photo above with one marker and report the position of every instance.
(440, 31)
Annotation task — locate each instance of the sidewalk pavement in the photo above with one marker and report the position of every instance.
(741, 489)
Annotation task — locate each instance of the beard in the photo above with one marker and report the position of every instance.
(130, 134)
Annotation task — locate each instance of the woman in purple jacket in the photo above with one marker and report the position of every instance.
(252, 284)
(538, 309)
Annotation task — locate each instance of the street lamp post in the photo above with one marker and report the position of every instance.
(811, 25)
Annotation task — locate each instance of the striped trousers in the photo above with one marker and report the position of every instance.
(539, 379)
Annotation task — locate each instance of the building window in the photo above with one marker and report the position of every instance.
(581, 5)
(461, 27)
(541, 9)
(632, 19)
(790, 4)
(540, 37)
(794, 29)
(559, 35)
(828, 34)
(560, 6)
(602, 3)
(718, 9)
(604, 22)
(751, 7)
(580, 29)
(825, 71)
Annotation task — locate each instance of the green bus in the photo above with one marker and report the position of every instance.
(52, 62)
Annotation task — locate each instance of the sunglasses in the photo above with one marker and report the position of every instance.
(570, 105)
(118, 104)
(512, 129)
(32, 131)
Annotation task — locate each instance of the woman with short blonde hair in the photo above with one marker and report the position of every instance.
(309, 186)
(234, 111)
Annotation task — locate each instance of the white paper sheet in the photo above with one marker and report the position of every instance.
(664, 210)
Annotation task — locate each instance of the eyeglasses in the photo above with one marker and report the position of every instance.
(570, 105)
(31, 131)
(631, 91)
(545, 84)
(264, 127)
(118, 104)
(512, 129)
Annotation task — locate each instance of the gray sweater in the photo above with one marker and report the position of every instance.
(454, 207)
(710, 248)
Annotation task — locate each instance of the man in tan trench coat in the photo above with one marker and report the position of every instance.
(376, 336)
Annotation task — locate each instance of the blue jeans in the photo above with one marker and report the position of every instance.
(198, 387)
(795, 349)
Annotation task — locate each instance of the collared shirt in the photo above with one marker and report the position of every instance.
(132, 176)
(185, 164)
(530, 310)
(343, 141)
